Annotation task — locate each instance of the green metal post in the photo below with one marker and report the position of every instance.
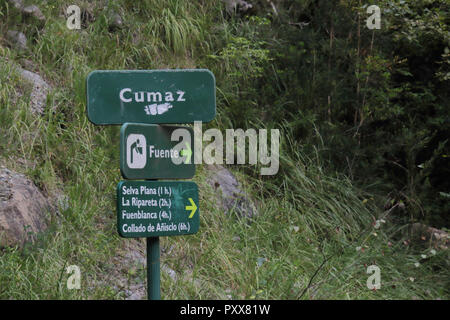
(153, 269)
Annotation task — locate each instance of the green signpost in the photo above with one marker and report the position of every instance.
(147, 152)
(140, 99)
(151, 96)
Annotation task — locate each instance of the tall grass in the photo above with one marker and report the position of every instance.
(313, 238)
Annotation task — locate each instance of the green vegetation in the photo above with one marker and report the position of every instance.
(364, 121)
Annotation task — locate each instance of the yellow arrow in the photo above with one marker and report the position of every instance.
(192, 207)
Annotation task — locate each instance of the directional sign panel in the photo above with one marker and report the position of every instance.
(157, 208)
(151, 96)
(147, 152)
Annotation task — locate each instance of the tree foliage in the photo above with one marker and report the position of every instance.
(376, 100)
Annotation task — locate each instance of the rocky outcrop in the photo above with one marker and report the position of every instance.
(229, 193)
(23, 209)
(239, 7)
(39, 88)
(34, 13)
(39, 91)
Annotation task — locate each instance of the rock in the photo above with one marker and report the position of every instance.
(39, 88)
(230, 195)
(34, 12)
(115, 21)
(28, 64)
(137, 292)
(23, 209)
(131, 256)
(17, 4)
(17, 40)
(430, 236)
(136, 256)
(239, 7)
(39, 91)
(172, 274)
(31, 12)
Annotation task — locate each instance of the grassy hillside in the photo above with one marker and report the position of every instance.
(316, 232)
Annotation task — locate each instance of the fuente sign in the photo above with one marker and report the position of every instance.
(150, 96)
(147, 152)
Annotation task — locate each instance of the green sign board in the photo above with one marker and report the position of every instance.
(151, 96)
(157, 208)
(147, 152)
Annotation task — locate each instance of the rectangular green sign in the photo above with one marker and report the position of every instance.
(151, 96)
(157, 208)
(147, 152)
